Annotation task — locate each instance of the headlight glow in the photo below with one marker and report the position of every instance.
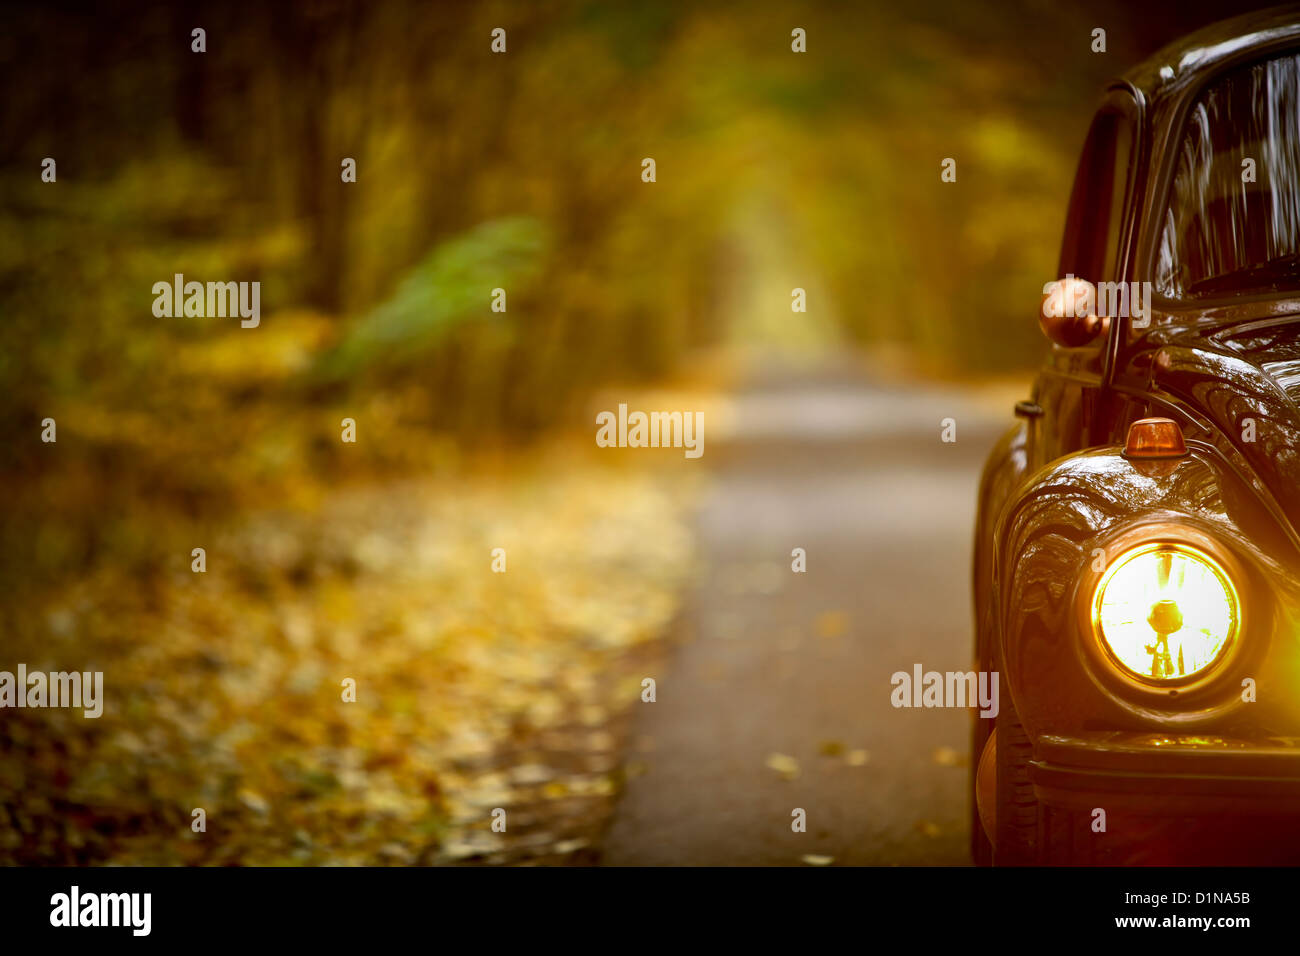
(1166, 612)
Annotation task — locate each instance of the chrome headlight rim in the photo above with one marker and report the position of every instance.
(1214, 688)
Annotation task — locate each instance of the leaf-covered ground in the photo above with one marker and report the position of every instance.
(475, 690)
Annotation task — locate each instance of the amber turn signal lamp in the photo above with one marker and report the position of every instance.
(1155, 438)
(986, 789)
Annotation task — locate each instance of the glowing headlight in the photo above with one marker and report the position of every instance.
(1166, 612)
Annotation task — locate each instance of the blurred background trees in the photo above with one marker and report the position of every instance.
(519, 171)
(475, 171)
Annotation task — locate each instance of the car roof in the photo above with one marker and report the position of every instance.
(1166, 74)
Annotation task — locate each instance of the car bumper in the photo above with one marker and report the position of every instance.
(1181, 769)
(1168, 799)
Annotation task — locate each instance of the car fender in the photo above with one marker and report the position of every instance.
(1003, 472)
(1053, 538)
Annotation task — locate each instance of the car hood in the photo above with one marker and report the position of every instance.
(1243, 383)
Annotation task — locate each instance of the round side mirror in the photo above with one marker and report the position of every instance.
(1067, 312)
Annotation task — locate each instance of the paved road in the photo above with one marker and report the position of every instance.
(768, 662)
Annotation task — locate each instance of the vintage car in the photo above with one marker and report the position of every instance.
(1137, 549)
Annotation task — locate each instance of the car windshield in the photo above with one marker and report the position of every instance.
(1233, 221)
